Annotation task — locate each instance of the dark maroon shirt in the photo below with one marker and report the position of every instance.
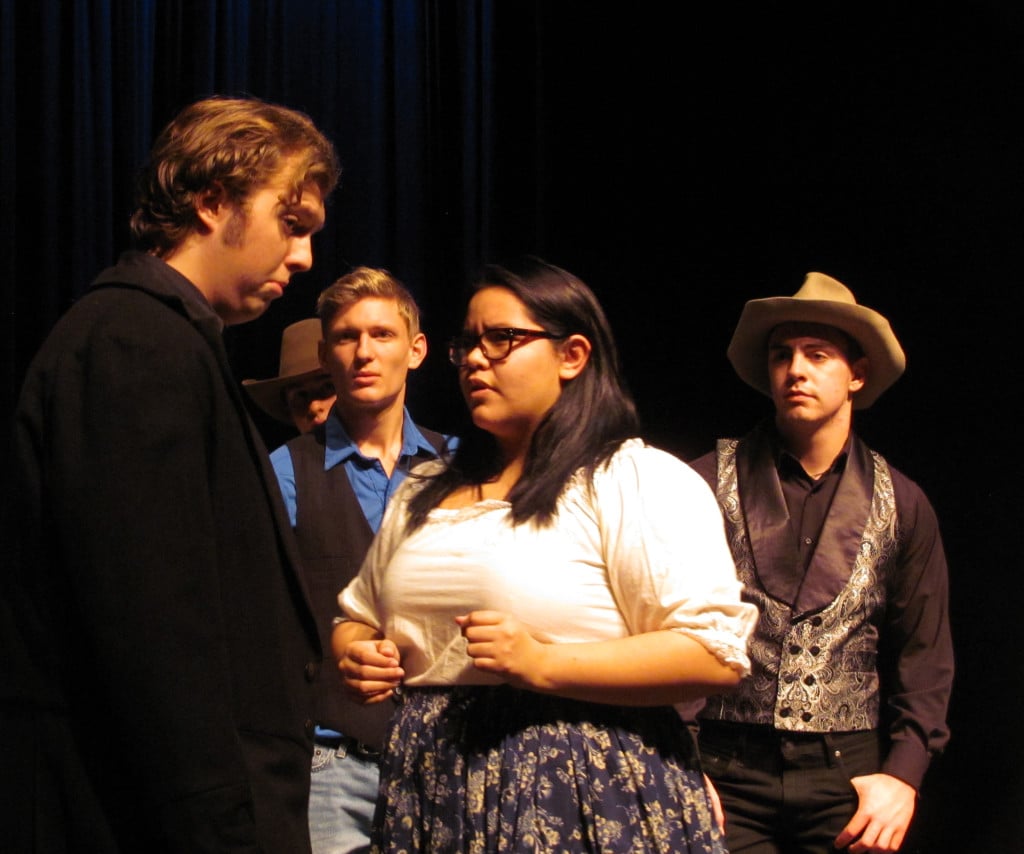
(915, 652)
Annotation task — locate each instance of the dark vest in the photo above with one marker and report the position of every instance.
(814, 661)
(333, 537)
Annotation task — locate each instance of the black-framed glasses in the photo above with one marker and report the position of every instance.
(495, 344)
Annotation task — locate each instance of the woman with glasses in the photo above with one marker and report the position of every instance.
(546, 606)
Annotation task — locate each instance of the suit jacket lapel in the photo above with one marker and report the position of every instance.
(211, 330)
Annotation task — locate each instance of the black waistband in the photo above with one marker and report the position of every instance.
(770, 735)
(350, 745)
(765, 747)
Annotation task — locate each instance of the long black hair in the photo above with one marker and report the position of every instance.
(593, 415)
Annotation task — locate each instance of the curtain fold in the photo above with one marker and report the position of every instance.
(397, 85)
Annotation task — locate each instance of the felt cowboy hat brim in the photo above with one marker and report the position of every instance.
(299, 362)
(821, 299)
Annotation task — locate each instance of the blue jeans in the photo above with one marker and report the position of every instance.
(342, 797)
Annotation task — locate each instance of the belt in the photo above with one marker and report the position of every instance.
(344, 745)
(765, 747)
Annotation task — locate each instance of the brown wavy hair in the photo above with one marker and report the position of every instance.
(232, 144)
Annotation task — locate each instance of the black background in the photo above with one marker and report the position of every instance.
(681, 162)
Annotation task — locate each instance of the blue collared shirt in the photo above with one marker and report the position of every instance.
(372, 486)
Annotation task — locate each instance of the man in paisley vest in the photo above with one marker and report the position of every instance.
(336, 480)
(826, 744)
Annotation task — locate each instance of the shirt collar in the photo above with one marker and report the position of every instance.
(339, 446)
(789, 466)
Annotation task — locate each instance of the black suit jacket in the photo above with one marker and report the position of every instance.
(160, 658)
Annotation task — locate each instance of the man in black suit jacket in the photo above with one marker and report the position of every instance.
(160, 657)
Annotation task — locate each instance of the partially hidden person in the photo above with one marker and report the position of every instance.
(302, 393)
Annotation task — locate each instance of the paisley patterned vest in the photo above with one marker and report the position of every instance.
(814, 660)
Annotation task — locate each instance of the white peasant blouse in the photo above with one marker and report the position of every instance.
(644, 550)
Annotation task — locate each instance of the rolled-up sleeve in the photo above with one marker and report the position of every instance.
(668, 560)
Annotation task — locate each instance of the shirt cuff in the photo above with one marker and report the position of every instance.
(907, 761)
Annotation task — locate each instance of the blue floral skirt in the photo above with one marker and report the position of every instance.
(496, 769)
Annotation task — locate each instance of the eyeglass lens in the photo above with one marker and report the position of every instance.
(495, 344)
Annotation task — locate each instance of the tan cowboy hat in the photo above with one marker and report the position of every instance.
(821, 299)
(299, 362)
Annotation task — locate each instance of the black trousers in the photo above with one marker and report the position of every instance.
(785, 793)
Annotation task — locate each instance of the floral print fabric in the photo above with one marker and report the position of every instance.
(496, 769)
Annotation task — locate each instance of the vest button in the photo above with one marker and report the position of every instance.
(794, 649)
(311, 669)
(806, 717)
(809, 680)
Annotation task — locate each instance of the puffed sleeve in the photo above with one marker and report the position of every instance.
(668, 560)
(358, 601)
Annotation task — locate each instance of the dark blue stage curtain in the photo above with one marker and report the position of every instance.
(680, 158)
(399, 85)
